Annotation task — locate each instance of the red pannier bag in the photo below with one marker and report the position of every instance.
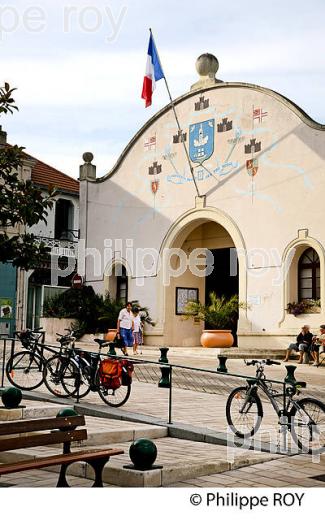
(110, 372)
(127, 371)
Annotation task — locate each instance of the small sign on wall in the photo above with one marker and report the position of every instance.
(6, 306)
(183, 296)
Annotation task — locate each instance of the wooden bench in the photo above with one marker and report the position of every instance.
(55, 430)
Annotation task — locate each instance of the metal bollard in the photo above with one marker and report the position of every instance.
(112, 350)
(165, 371)
(290, 377)
(222, 364)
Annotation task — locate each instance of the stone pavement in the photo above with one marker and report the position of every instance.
(294, 472)
(200, 410)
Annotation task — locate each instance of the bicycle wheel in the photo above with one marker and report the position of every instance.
(308, 425)
(75, 380)
(53, 372)
(24, 370)
(244, 418)
(116, 397)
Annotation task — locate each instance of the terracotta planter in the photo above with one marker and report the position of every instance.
(110, 334)
(217, 339)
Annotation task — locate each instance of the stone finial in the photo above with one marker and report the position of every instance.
(87, 170)
(207, 66)
(88, 157)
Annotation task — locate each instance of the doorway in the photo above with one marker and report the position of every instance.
(224, 279)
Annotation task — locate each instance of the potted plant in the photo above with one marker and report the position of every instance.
(307, 306)
(219, 316)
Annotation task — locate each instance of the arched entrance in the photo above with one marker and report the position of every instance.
(206, 228)
(116, 281)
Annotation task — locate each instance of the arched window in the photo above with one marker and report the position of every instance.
(309, 275)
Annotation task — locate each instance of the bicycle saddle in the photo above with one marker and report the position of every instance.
(101, 341)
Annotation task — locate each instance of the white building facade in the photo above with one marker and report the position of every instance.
(258, 162)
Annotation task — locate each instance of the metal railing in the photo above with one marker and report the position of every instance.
(60, 246)
(167, 375)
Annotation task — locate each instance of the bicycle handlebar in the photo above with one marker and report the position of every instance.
(262, 362)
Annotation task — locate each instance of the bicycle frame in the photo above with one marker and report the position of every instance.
(289, 404)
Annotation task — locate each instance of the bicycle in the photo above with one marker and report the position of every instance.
(79, 372)
(24, 369)
(304, 418)
(63, 361)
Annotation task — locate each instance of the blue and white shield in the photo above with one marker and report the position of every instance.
(201, 140)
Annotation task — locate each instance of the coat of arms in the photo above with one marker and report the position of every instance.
(252, 167)
(201, 141)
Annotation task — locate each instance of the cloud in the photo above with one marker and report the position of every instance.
(78, 92)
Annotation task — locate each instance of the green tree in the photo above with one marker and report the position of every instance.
(21, 203)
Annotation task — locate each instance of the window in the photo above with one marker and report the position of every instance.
(63, 219)
(122, 285)
(309, 275)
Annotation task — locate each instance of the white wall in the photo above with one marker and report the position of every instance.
(287, 197)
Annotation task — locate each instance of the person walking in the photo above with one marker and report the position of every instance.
(303, 344)
(137, 331)
(125, 327)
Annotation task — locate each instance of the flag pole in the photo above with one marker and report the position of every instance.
(178, 124)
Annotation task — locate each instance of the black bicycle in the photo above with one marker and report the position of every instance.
(24, 369)
(74, 373)
(63, 361)
(304, 418)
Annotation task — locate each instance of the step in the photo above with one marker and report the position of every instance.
(180, 460)
(104, 431)
(30, 410)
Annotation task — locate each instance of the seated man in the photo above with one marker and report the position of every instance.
(303, 344)
(318, 341)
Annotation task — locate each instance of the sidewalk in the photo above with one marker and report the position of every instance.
(195, 412)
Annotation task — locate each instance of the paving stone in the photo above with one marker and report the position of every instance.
(11, 414)
(148, 403)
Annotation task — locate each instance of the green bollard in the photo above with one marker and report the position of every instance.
(290, 377)
(67, 412)
(11, 397)
(163, 355)
(165, 371)
(112, 350)
(222, 365)
(143, 453)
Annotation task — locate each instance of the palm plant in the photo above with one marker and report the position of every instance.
(220, 313)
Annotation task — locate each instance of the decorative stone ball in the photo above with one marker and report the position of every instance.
(88, 157)
(67, 412)
(11, 397)
(207, 65)
(143, 453)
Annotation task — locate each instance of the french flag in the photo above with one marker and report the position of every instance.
(153, 73)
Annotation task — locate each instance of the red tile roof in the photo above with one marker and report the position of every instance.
(45, 175)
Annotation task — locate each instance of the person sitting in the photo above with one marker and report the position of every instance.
(303, 344)
(318, 341)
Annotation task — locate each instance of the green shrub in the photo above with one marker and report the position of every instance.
(85, 307)
(92, 312)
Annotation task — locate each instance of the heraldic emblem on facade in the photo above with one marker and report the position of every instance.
(201, 141)
(252, 167)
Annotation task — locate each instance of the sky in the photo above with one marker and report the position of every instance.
(78, 65)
